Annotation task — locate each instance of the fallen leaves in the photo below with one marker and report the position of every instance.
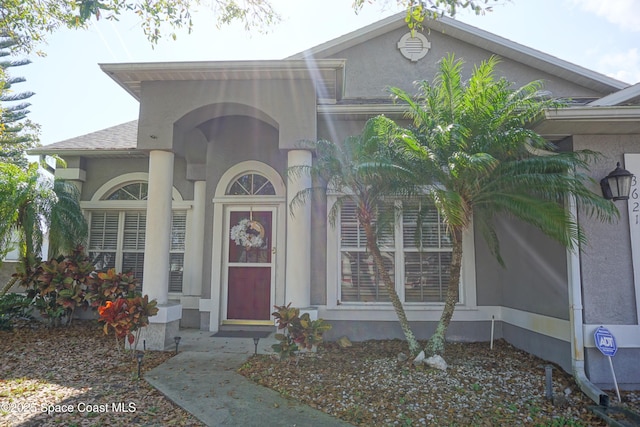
(367, 385)
(75, 376)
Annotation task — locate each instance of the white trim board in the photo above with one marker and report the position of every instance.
(627, 336)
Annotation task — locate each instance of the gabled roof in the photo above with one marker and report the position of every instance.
(476, 37)
(115, 140)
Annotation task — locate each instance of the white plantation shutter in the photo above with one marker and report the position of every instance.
(361, 281)
(427, 254)
(176, 257)
(103, 239)
(178, 230)
(134, 262)
(117, 239)
(103, 233)
(351, 234)
(423, 256)
(133, 235)
(134, 230)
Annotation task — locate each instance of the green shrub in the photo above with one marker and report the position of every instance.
(62, 285)
(13, 307)
(300, 332)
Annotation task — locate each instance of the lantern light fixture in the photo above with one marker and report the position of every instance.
(617, 185)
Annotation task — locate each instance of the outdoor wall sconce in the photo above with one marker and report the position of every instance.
(139, 357)
(617, 185)
(177, 341)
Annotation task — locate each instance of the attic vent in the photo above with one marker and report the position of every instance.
(414, 47)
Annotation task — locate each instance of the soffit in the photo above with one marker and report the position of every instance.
(558, 124)
(327, 74)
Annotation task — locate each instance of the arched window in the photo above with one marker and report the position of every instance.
(251, 184)
(117, 234)
(134, 191)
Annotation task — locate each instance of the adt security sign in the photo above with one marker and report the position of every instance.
(605, 341)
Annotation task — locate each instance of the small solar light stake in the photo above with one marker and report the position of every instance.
(139, 357)
(255, 343)
(177, 340)
(548, 374)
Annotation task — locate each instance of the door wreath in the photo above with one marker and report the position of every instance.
(248, 233)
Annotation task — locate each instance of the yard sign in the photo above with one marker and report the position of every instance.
(606, 343)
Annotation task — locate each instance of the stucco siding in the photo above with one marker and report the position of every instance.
(318, 274)
(358, 330)
(337, 130)
(100, 171)
(625, 365)
(233, 140)
(607, 276)
(534, 278)
(540, 345)
(287, 105)
(377, 64)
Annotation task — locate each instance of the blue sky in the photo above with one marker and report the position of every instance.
(74, 97)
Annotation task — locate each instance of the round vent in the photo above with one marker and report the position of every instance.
(414, 47)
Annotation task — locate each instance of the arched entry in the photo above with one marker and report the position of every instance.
(248, 258)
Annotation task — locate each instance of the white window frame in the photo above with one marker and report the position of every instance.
(99, 203)
(468, 296)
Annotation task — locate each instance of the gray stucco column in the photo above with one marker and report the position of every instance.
(164, 326)
(298, 270)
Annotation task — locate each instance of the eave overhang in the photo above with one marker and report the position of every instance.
(101, 153)
(559, 124)
(327, 74)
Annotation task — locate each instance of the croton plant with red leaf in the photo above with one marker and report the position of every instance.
(127, 316)
(300, 332)
(109, 286)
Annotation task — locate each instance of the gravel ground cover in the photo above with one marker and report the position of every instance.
(74, 376)
(367, 385)
(45, 372)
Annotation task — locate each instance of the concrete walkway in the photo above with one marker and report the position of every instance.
(202, 379)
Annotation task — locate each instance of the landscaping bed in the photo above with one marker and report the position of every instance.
(367, 385)
(44, 372)
(75, 376)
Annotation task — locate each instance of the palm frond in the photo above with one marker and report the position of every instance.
(68, 228)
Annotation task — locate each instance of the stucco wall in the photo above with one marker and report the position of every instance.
(535, 276)
(358, 330)
(377, 64)
(606, 266)
(234, 140)
(540, 345)
(319, 251)
(625, 365)
(287, 105)
(100, 171)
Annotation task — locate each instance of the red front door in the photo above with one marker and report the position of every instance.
(249, 265)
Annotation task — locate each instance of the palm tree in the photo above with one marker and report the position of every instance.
(31, 205)
(470, 144)
(364, 169)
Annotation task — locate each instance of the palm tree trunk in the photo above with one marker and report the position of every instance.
(436, 344)
(8, 286)
(414, 346)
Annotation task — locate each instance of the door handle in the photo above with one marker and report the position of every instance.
(273, 250)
